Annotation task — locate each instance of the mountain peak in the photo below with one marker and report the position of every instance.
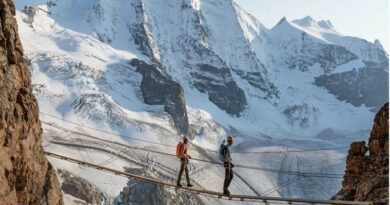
(282, 20)
(306, 21)
(378, 44)
(325, 24)
(309, 22)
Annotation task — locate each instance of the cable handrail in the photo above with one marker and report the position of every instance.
(207, 150)
(307, 174)
(107, 132)
(333, 175)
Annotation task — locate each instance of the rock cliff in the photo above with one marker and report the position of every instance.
(26, 177)
(359, 86)
(158, 89)
(367, 176)
(80, 188)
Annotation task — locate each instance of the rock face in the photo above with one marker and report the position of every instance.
(299, 50)
(366, 86)
(80, 188)
(367, 176)
(302, 115)
(363, 78)
(328, 56)
(139, 192)
(25, 175)
(158, 89)
(222, 90)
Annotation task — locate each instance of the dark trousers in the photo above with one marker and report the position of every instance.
(183, 167)
(228, 177)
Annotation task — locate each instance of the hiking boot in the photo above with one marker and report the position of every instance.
(179, 185)
(226, 192)
(190, 185)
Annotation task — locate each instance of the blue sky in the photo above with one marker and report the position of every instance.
(368, 19)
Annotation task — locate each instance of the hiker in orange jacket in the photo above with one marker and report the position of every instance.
(181, 153)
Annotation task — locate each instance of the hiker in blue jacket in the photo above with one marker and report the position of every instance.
(227, 163)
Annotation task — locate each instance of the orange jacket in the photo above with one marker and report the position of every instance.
(182, 151)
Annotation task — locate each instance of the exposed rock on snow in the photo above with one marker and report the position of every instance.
(158, 89)
(80, 188)
(141, 34)
(358, 86)
(298, 49)
(139, 192)
(30, 12)
(100, 108)
(302, 115)
(226, 95)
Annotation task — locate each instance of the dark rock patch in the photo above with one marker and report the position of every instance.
(368, 86)
(222, 90)
(80, 188)
(158, 89)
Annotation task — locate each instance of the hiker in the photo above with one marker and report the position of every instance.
(181, 153)
(227, 163)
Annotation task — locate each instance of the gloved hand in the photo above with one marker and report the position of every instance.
(231, 164)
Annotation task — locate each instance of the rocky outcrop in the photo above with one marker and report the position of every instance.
(140, 33)
(367, 176)
(303, 115)
(327, 56)
(139, 192)
(158, 89)
(257, 80)
(100, 107)
(195, 58)
(30, 13)
(209, 74)
(368, 85)
(25, 175)
(221, 88)
(300, 50)
(80, 188)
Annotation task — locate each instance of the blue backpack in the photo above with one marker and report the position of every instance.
(222, 148)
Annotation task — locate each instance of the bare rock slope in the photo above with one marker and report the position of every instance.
(26, 177)
(367, 176)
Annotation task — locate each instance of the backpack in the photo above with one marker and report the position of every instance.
(222, 148)
(179, 148)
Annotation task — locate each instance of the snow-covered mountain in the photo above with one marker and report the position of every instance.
(153, 70)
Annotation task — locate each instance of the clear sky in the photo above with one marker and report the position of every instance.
(368, 19)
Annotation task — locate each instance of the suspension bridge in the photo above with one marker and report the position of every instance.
(203, 191)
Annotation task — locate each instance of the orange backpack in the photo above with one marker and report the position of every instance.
(179, 149)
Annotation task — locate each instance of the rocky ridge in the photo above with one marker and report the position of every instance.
(80, 188)
(158, 89)
(26, 177)
(367, 176)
